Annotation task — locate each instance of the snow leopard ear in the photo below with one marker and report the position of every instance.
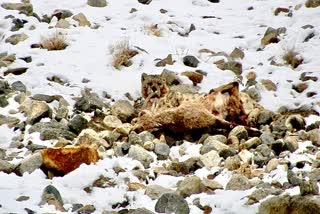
(143, 76)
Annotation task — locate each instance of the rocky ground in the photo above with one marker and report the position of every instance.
(70, 91)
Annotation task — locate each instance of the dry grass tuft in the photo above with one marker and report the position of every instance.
(154, 30)
(55, 42)
(122, 53)
(292, 58)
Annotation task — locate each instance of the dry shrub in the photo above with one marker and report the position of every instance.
(122, 53)
(292, 58)
(154, 30)
(55, 42)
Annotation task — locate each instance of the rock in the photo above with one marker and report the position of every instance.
(123, 110)
(51, 196)
(312, 3)
(155, 191)
(293, 178)
(262, 193)
(146, 136)
(267, 138)
(272, 165)
(240, 132)
(140, 154)
(269, 85)
(232, 163)
(251, 76)
(87, 209)
(135, 139)
(277, 204)
(237, 53)
(82, 20)
(109, 136)
(309, 188)
(166, 61)
(15, 71)
(314, 136)
(210, 159)
(52, 130)
(270, 36)
(215, 144)
(43, 97)
(124, 129)
(252, 143)
(171, 202)
(281, 10)
(189, 186)
(183, 88)
(214, 1)
(111, 122)
(89, 137)
(170, 77)
(16, 38)
(89, 103)
(191, 61)
(3, 101)
(140, 210)
(162, 150)
(97, 3)
(62, 113)
(211, 184)
(295, 122)
(18, 24)
(238, 182)
(30, 164)
(194, 76)
(6, 167)
(25, 8)
(144, 1)
(259, 159)
(62, 14)
(18, 86)
(62, 23)
(300, 87)
(67, 159)
(35, 111)
(228, 152)
(77, 124)
(235, 67)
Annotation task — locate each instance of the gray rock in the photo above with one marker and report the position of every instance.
(29, 164)
(189, 186)
(62, 14)
(191, 61)
(171, 77)
(62, 113)
(6, 167)
(4, 87)
(232, 163)
(254, 93)
(97, 3)
(277, 204)
(293, 178)
(172, 203)
(140, 154)
(162, 150)
(145, 1)
(210, 159)
(265, 151)
(2, 152)
(238, 182)
(315, 174)
(43, 97)
(217, 145)
(240, 132)
(52, 196)
(262, 193)
(309, 188)
(3, 101)
(77, 124)
(211, 184)
(235, 67)
(18, 86)
(62, 23)
(135, 139)
(146, 136)
(89, 103)
(154, 191)
(225, 153)
(140, 211)
(265, 117)
(123, 110)
(260, 160)
(16, 38)
(25, 8)
(52, 130)
(237, 53)
(35, 111)
(314, 136)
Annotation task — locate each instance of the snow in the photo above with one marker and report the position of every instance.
(88, 56)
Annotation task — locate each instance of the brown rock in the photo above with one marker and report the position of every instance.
(312, 3)
(281, 10)
(269, 85)
(301, 87)
(65, 160)
(195, 77)
(251, 75)
(134, 186)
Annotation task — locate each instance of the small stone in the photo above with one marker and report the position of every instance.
(155, 191)
(35, 110)
(237, 53)
(210, 159)
(217, 145)
(134, 186)
(135, 139)
(6, 167)
(90, 138)
(123, 110)
(81, 19)
(314, 136)
(30, 164)
(15, 71)
(301, 87)
(191, 61)
(89, 103)
(240, 132)
(270, 36)
(272, 165)
(172, 203)
(293, 178)
(140, 154)
(166, 61)
(62, 23)
(171, 77)
(51, 196)
(232, 163)
(112, 122)
(269, 85)
(267, 138)
(235, 67)
(211, 184)
(97, 3)
(252, 143)
(281, 10)
(251, 76)
(43, 97)
(18, 86)
(23, 198)
(144, 1)
(238, 182)
(87, 209)
(194, 76)
(189, 186)
(3, 101)
(62, 14)
(16, 38)
(162, 150)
